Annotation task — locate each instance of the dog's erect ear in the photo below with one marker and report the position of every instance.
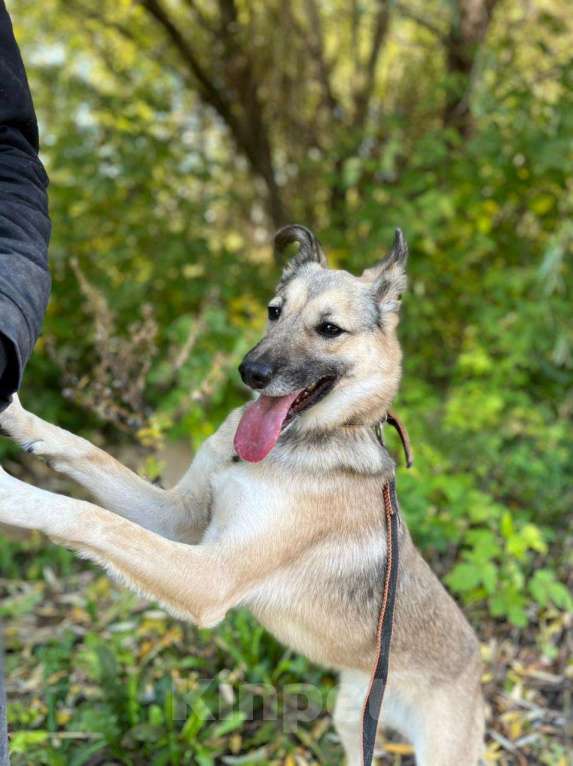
(309, 249)
(389, 276)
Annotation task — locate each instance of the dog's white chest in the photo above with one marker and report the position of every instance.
(245, 503)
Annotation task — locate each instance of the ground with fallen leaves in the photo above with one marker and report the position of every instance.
(97, 676)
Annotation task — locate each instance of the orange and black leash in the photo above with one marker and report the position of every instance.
(375, 695)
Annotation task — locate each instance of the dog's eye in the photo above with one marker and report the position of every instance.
(274, 312)
(329, 330)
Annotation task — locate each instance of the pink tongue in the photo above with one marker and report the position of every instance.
(260, 426)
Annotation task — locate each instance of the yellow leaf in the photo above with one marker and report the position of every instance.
(398, 748)
(101, 587)
(63, 716)
(492, 754)
(79, 615)
(514, 725)
(234, 242)
(235, 743)
(145, 648)
(193, 270)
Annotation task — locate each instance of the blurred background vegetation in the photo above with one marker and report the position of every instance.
(178, 134)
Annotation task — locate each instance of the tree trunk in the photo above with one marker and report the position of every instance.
(470, 23)
(237, 103)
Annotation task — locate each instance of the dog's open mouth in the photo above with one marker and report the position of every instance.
(309, 396)
(264, 419)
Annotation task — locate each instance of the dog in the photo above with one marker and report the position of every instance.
(280, 511)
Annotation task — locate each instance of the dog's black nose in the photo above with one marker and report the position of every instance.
(256, 374)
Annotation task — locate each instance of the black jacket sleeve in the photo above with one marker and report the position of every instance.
(24, 222)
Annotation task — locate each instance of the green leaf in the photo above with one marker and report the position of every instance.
(489, 577)
(464, 577)
(232, 722)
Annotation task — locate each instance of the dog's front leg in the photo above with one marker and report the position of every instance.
(179, 514)
(194, 582)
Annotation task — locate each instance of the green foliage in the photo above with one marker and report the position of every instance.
(486, 331)
(110, 679)
(134, 687)
(159, 205)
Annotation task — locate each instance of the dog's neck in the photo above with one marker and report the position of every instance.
(353, 448)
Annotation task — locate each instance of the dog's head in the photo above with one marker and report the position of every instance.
(330, 355)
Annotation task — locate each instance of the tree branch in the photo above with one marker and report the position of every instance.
(379, 33)
(211, 94)
(315, 44)
(200, 16)
(250, 135)
(122, 30)
(468, 27)
(407, 13)
(242, 78)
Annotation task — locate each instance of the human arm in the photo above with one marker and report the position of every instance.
(24, 221)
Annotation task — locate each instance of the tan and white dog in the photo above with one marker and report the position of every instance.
(281, 510)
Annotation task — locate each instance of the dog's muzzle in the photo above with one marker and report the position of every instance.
(256, 373)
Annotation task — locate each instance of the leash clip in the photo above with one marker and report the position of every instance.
(396, 423)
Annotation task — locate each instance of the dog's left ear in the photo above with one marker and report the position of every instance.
(309, 249)
(389, 278)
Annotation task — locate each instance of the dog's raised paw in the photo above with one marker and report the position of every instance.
(17, 423)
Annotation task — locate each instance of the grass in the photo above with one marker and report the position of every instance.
(96, 675)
